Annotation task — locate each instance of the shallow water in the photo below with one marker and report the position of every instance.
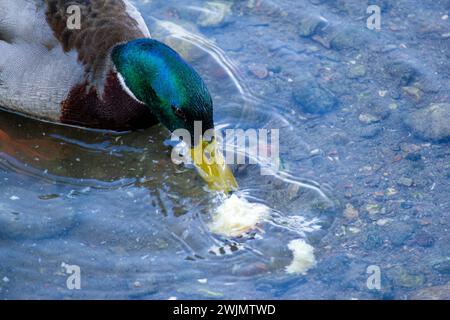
(136, 224)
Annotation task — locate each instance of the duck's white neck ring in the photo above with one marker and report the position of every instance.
(126, 89)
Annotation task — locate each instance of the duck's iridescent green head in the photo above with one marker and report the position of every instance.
(170, 87)
(158, 77)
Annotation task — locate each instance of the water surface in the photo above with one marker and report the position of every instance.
(115, 204)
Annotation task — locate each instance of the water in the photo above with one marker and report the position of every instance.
(136, 224)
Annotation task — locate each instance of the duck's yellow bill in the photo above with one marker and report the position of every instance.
(211, 166)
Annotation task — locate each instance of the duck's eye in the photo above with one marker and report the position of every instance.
(178, 112)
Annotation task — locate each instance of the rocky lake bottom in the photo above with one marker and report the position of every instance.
(364, 122)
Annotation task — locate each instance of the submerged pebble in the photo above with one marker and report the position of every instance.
(442, 266)
(313, 98)
(368, 118)
(214, 14)
(349, 38)
(356, 71)
(370, 131)
(177, 37)
(432, 293)
(432, 122)
(258, 70)
(311, 24)
(399, 232)
(350, 212)
(424, 239)
(407, 278)
(412, 92)
(402, 71)
(372, 239)
(404, 181)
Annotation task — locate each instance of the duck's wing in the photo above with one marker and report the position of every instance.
(102, 25)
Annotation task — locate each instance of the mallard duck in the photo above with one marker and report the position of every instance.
(94, 64)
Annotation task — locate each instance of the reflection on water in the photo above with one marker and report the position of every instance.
(138, 225)
(116, 205)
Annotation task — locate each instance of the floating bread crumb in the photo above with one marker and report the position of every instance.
(237, 216)
(303, 257)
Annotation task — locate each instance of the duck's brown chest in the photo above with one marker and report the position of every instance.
(113, 110)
